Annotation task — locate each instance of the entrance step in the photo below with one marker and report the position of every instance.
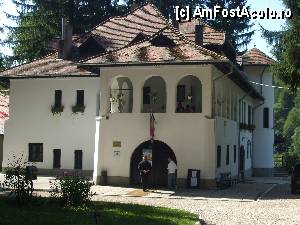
(280, 172)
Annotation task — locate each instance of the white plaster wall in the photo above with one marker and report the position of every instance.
(227, 134)
(263, 137)
(228, 116)
(31, 120)
(191, 136)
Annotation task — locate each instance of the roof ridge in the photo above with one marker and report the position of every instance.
(176, 31)
(112, 17)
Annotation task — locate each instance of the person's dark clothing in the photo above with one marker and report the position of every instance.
(145, 168)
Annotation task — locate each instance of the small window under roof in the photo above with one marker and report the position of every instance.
(162, 41)
(138, 38)
(90, 47)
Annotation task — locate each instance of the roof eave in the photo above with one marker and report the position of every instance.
(151, 63)
(30, 76)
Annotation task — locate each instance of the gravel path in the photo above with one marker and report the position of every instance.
(272, 209)
(243, 204)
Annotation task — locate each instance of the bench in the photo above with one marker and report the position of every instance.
(226, 180)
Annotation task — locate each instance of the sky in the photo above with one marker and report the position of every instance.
(257, 41)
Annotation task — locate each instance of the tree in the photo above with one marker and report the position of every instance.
(238, 31)
(286, 48)
(39, 21)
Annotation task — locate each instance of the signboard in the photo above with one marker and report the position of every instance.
(148, 152)
(117, 144)
(116, 153)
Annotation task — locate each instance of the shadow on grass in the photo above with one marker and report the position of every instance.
(47, 212)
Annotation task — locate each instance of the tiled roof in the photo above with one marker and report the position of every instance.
(47, 66)
(148, 51)
(118, 32)
(210, 35)
(256, 57)
(4, 111)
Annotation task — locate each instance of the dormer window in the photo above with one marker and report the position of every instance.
(162, 41)
(138, 38)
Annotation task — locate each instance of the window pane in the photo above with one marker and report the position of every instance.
(56, 158)
(249, 115)
(58, 96)
(78, 159)
(180, 93)
(227, 155)
(218, 156)
(235, 154)
(266, 118)
(35, 153)
(80, 97)
(146, 95)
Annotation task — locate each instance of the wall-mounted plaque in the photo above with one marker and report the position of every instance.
(116, 153)
(117, 144)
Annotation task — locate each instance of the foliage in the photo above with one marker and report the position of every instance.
(78, 108)
(17, 181)
(39, 21)
(286, 48)
(57, 109)
(284, 102)
(290, 125)
(72, 190)
(49, 213)
(238, 31)
(291, 158)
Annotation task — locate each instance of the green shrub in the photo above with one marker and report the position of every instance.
(57, 109)
(72, 190)
(290, 159)
(18, 181)
(78, 108)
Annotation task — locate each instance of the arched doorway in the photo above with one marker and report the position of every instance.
(160, 154)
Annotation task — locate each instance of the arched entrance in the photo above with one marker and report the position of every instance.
(160, 154)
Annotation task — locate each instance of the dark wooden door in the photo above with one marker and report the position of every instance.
(160, 154)
(56, 158)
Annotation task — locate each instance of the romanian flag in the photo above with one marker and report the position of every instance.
(152, 126)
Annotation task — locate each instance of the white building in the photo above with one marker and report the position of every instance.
(120, 72)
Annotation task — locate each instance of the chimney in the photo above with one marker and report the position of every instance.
(65, 44)
(199, 34)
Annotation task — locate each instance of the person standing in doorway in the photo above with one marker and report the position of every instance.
(145, 168)
(171, 174)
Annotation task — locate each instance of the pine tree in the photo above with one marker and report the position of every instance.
(238, 31)
(286, 48)
(39, 21)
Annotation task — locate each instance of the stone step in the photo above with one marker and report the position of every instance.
(280, 174)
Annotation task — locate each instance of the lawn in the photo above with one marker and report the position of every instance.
(45, 212)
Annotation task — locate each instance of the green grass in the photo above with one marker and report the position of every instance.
(46, 212)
